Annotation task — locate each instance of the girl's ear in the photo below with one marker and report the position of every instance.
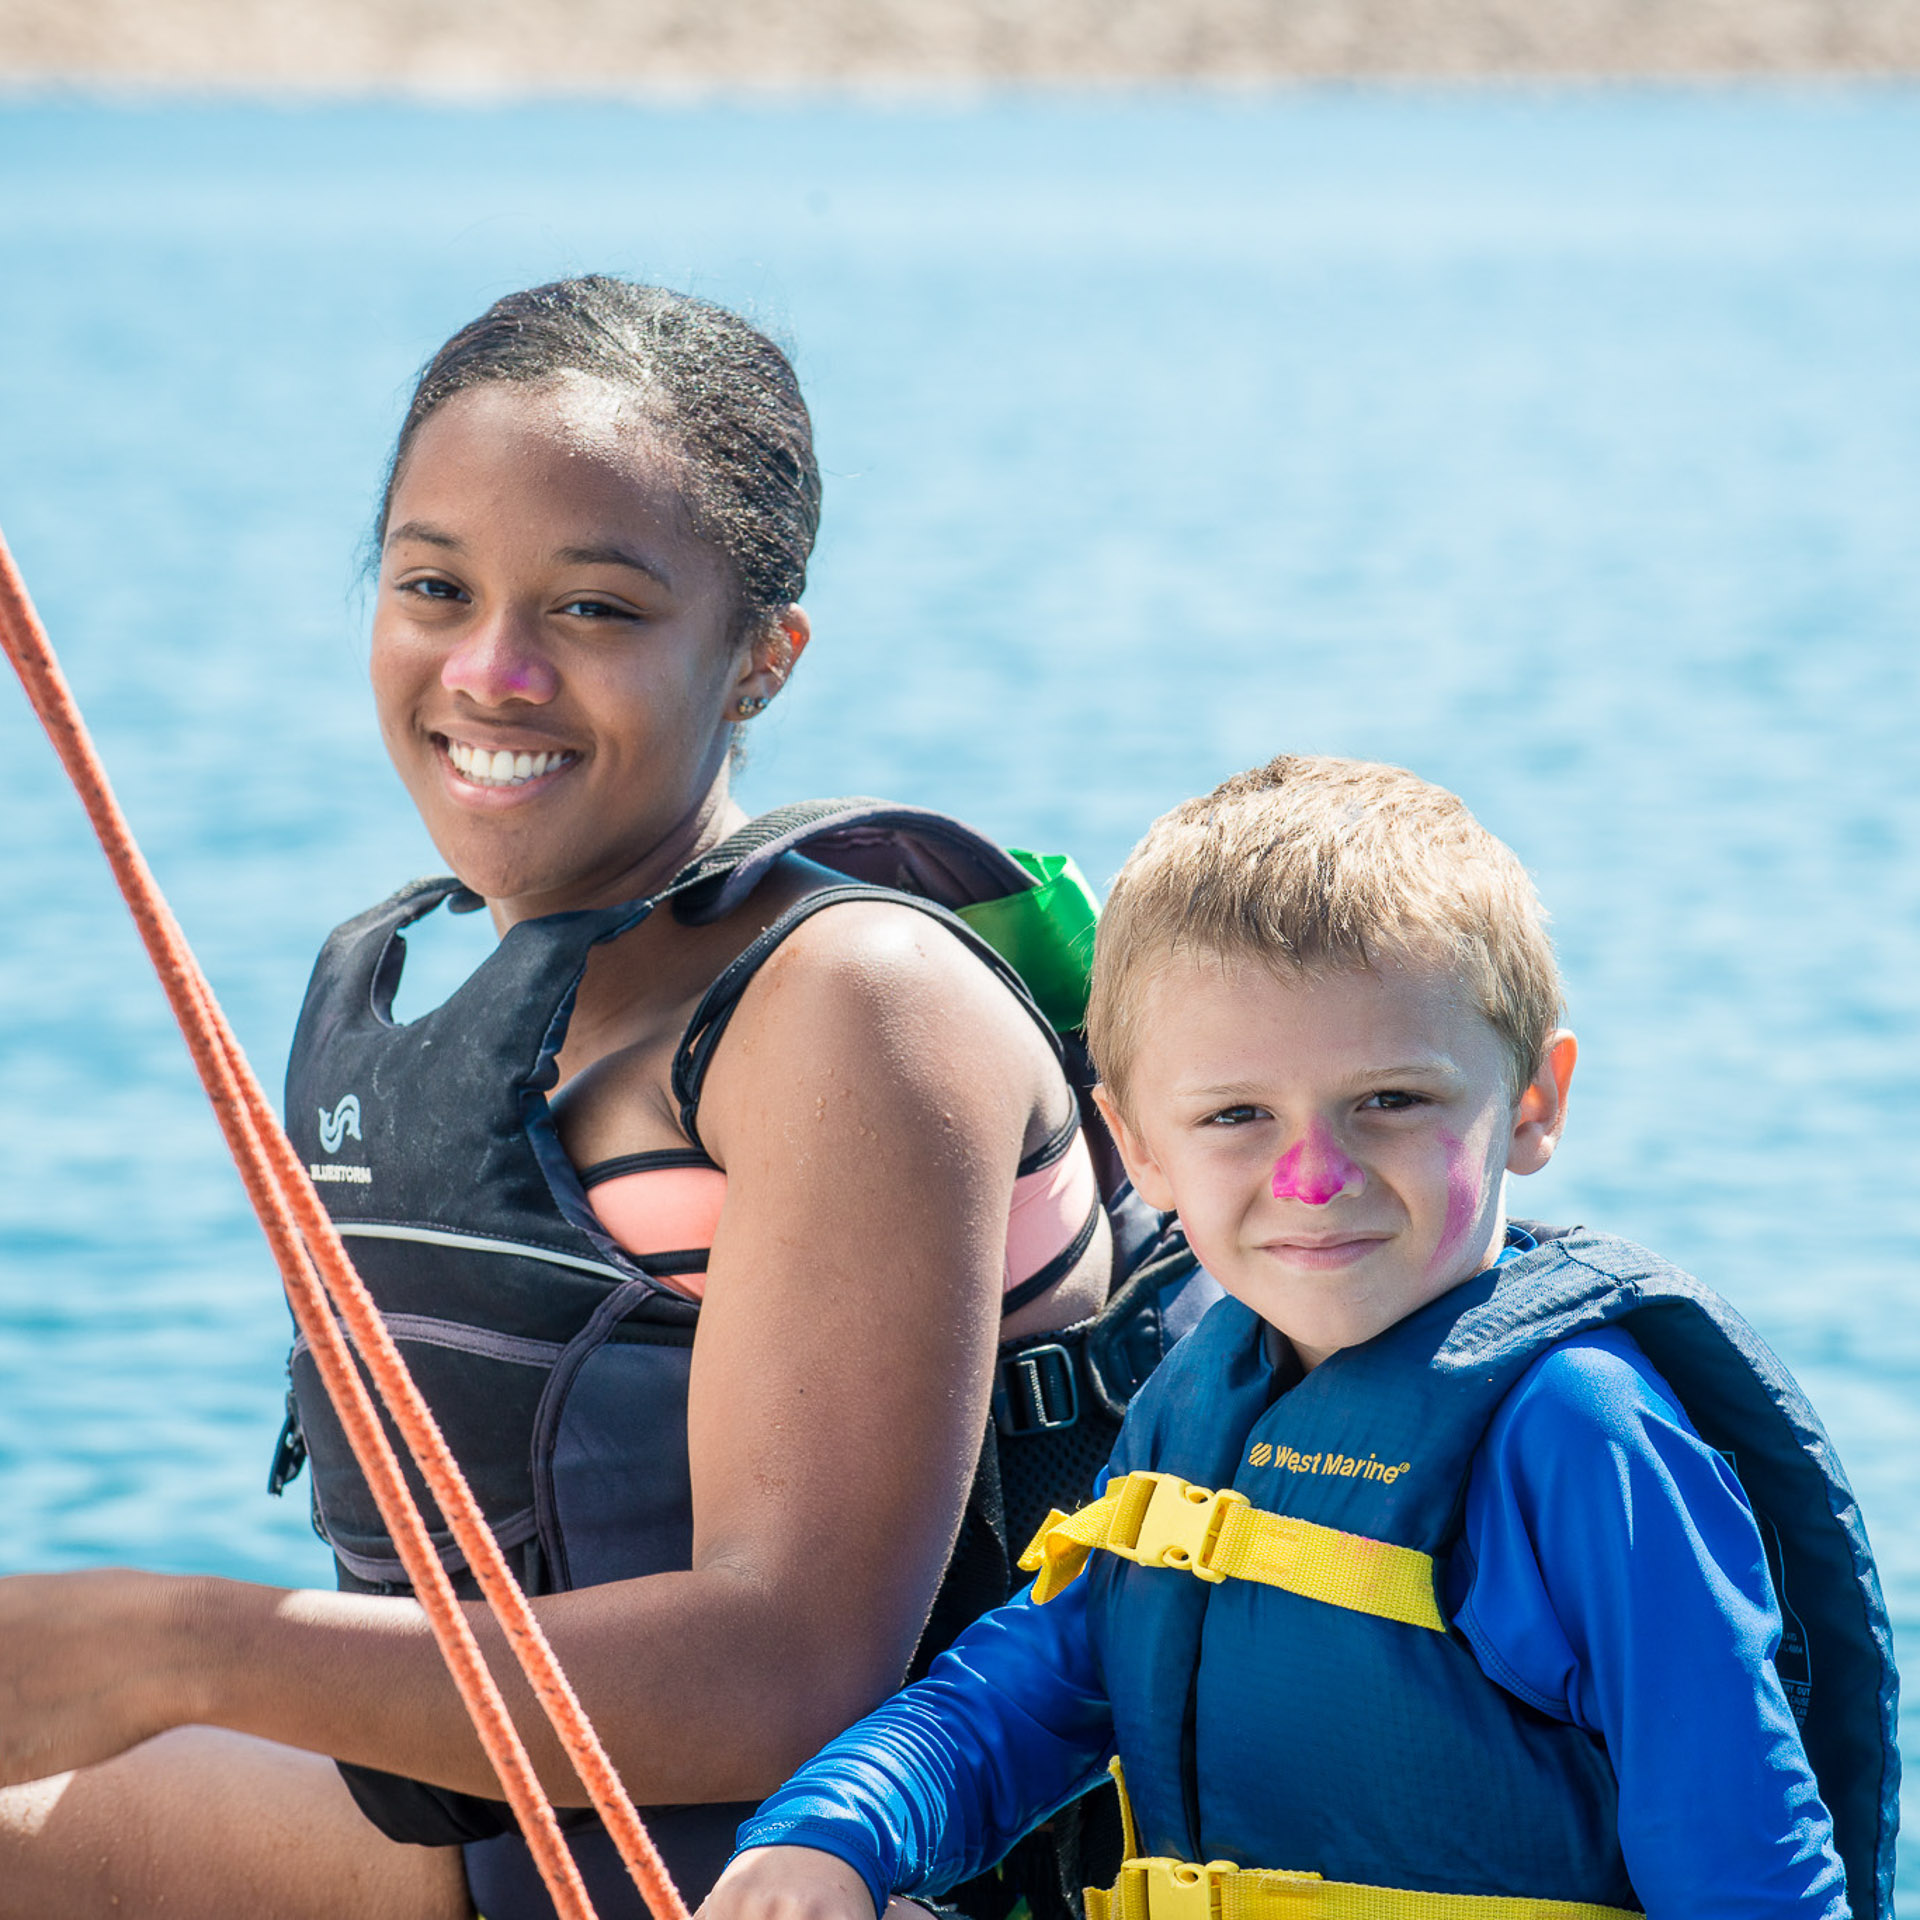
(789, 631)
(1540, 1117)
(768, 659)
(1142, 1168)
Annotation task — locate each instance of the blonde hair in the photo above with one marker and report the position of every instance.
(1310, 864)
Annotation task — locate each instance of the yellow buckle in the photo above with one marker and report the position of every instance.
(1161, 1889)
(1180, 1527)
(1177, 1889)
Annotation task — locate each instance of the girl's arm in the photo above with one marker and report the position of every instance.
(870, 1106)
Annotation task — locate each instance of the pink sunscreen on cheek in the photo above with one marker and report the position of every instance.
(1315, 1169)
(1463, 1197)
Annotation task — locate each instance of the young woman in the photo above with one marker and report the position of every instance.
(591, 550)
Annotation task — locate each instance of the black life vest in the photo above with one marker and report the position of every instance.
(554, 1361)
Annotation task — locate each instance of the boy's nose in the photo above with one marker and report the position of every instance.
(1316, 1169)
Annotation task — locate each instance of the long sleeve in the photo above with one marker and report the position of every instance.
(1011, 1722)
(1615, 1578)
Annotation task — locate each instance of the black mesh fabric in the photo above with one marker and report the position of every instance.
(1041, 1471)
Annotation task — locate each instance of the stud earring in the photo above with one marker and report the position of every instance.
(749, 704)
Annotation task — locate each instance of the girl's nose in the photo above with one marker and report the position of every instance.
(1316, 1169)
(496, 663)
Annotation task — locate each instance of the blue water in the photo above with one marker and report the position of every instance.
(1565, 448)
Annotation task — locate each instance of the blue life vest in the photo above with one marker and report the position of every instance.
(555, 1362)
(1275, 1731)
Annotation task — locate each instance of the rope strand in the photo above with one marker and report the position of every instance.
(315, 1268)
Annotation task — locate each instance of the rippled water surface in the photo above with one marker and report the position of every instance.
(1566, 449)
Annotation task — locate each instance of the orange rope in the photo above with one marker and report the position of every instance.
(312, 1257)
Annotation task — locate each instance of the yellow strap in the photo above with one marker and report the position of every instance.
(1175, 1890)
(1129, 1833)
(1159, 1520)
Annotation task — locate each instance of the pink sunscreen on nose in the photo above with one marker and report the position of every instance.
(1314, 1169)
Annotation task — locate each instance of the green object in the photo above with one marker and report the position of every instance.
(1045, 934)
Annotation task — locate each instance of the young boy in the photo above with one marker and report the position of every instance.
(1415, 1591)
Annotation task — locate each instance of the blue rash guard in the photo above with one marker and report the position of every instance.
(1611, 1576)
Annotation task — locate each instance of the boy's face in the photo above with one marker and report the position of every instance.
(1334, 1144)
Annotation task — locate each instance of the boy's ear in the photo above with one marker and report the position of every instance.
(1541, 1115)
(1142, 1168)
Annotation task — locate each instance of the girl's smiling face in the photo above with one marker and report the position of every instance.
(1335, 1144)
(555, 653)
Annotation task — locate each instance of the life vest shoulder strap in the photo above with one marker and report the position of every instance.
(1160, 1520)
(909, 849)
(721, 1000)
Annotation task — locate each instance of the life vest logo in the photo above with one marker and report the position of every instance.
(342, 1122)
(336, 1129)
(1341, 1466)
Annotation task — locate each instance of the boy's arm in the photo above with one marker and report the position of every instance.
(1617, 1580)
(935, 1786)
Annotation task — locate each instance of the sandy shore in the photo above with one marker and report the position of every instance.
(609, 45)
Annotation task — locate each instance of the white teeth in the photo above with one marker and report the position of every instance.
(501, 768)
